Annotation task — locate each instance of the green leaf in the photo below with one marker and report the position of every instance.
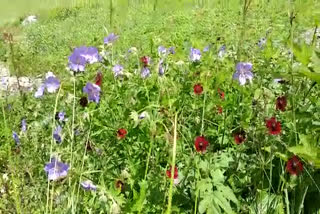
(139, 198)
(311, 75)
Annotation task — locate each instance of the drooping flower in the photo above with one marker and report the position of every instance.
(57, 134)
(262, 42)
(145, 61)
(239, 137)
(40, 91)
(195, 55)
(143, 115)
(83, 101)
(222, 51)
(77, 61)
(294, 166)
(23, 125)
(201, 144)
(206, 49)
(60, 116)
(274, 126)
(162, 50)
(145, 73)
(171, 50)
(93, 92)
(175, 174)
(162, 68)
(16, 138)
(110, 38)
(198, 89)
(243, 72)
(121, 133)
(99, 78)
(88, 185)
(56, 170)
(221, 93)
(281, 103)
(117, 70)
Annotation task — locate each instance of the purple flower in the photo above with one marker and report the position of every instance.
(16, 138)
(39, 93)
(56, 170)
(172, 50)
(162, 50)
(117, 70)
(93, 92)
(91, 54)
(222, 51)
(243, 72)
(23, 125)
(57, 134)
(52, 84)
(195, 55)
(110, 38)
(145, 72)
(77, 61)
(88, 185)
(161, 68)
(61, 116)
(206, 49)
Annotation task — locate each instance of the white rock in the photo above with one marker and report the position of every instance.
(29, 20)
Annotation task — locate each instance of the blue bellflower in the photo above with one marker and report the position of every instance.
(88, 185)
(195, 55)
(117, 70)
(111, 38)
(145, 72)
(243, 72)
(57, 134)
(16, 138)
(56, 170)
(23, 125)
(93, 92)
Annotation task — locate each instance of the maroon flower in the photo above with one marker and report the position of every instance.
(198, 89)
(201, 144)
(145, 60)
(168, 172)
(274, 126)
(122, 133)
(119, 185)
(99, 78)
(281, 103)
(219, 109)
(221, 93)
(294, 166)
(239, 137)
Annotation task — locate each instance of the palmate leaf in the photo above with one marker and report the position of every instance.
(139, 198)
(303, 53)
(307, 149)
(267, 203)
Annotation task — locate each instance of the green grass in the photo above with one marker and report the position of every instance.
(229, 178)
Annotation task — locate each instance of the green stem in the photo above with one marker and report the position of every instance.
(302, 200)
(173, 162)
(287, 200)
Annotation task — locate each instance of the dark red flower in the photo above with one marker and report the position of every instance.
(294, 166)
(281, 103)
(122, 133)
(198, 89)
(145, 60)
(274, 126)
(120, 185)
(201, 144)
(175, 176)
(221, 93)
(84, 101)
(99, 78)
(219, 109)
(239, 137)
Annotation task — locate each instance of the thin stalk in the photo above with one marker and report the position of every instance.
(173, 162)
(111, 12)
(302, 200)
(203, 111)
(287, 200)
(51, 146)
(148, 160)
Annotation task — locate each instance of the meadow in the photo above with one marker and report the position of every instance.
(161, 106)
